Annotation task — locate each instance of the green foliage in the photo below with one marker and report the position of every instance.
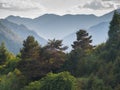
(33, 70)
(30, 50)
(114, 29)
(36, 85)
(11, 81)
(55, 81)
(3, 53)
(113, 43)
(81, 49)
(48, 61)
(55, 45)
(9, 66)
(83, 41)
(91, 83)
(60, 81)
(53, 59)
(29, 56)
(52, 56)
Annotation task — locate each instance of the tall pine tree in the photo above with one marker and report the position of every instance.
(83, 41)
(80, 50)
(113, 43)
(30, 65)
(114, 31)
(3, 53)
(30, 50)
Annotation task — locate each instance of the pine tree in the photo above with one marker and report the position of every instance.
(30, 65)
(113, 43)
(30, 50)
(114, 32)
(83, 41)
(80, 50)
(3, 53)
(55, 45)
(53, 55)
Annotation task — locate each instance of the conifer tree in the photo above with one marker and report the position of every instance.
(56, 45)
(3, 53)
(80, 48)
(114, 30)
(30, 50)
(113, 43)
(29, 65)
(83, 41)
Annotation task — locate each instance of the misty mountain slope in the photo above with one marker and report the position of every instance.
(99, 31)
(99, 34)
(11, 39)
(109, 15)
(55, 26)
(68, 40)
(23, 32)
(64, 27)
(52, 26)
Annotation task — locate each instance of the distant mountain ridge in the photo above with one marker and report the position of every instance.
(17, 33)
(23, 31)
(10, 39)
(51, 26)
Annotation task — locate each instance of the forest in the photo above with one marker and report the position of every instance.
(49, 67)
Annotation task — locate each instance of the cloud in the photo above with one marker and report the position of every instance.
(98, 5)
(55, 5)
(60, 7)
(19, 5)
(115, 2)
(112, 0)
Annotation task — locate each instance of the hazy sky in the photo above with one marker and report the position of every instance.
(35, 8)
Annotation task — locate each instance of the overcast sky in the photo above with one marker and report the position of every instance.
(35, 8)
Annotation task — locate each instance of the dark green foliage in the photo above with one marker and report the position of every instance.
(30, 50)
(33, 69)
(91, 83)
(29, 62)
(9, 66)
(81, 49)
(114, 32)
(116, 71)
(60, 81)
(12, 81)
(3, 53)
(49, 58)
(83, 41)
(55, 81)
(72, 61)
(52, 55)
(113, 43)
(55, 45)
(36, 85)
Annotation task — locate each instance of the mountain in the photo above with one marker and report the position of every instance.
(22, 31)
(13, 35)
(51, 26)
(11, 39)
(99, 32)
(64, 27)
(54, 26)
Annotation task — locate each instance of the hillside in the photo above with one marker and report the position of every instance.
(11, 39)
(13, 35)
